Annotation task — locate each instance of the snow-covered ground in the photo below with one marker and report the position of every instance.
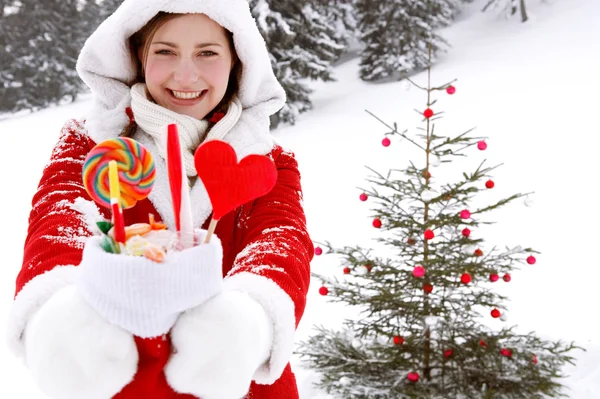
(531, 89)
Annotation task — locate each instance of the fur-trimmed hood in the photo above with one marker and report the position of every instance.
(107, 68)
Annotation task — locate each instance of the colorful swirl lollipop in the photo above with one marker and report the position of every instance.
(135, 166)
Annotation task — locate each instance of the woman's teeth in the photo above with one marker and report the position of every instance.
(186, 96)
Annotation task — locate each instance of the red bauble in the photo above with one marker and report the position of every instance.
(413, 377)
(346, 270)
(534, 359)
(368, 266)
(376, 223)
(429, 234)
(482, 343)
(450, 89)
(506, 352)
(363, 197)
(494, 277)
(411, 241)
(318, 251)
(323, 290)
(489, 184)
(426, 174)
(531, 260)
(466, 232)
(428, 113)
(507, 277)
(495, 313)
(482, 145)
(418, 271)
(465, 278)
(386, 142)
(465, 214)
(478, 252)
(448, 353)
(428, 288)
(398, 340)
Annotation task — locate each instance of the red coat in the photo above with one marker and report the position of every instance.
(56, 229)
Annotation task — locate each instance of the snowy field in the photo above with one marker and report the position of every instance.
(531, 89)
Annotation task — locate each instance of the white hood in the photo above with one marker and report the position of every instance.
(105, 65)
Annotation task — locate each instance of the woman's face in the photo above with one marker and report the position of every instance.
(188, 65)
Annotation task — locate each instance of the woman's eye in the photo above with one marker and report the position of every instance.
(165, 52)
(208, 53)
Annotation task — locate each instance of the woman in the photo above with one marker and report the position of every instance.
(219, 323)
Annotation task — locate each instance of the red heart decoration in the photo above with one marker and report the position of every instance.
(231, 184)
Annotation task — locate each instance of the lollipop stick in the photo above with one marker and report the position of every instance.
(115, 201)
(211, 230)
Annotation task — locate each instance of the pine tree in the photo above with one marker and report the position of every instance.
(41, 48)
(396, 34)
(510, 7)
(302, 45)
(421, 299)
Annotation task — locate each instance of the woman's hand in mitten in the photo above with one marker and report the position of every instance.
(218, 346)
(146, 297)
(73, 353)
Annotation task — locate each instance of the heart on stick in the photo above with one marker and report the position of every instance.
(231, 184)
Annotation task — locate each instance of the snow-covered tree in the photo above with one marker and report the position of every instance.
(396, 34)
(510, 7)
(302, 44)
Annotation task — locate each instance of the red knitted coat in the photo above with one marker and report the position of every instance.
(57, 232)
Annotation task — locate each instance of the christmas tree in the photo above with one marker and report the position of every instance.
(425, 311)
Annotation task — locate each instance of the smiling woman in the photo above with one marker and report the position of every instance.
(188, 63)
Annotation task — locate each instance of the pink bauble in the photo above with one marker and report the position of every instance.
(418, 271)
(466, 232)
(386, 142)
(363, 197)
(413, 377)
(318, 251)
(482, 145)
(465, 214)
(494, 277)
(451, 90)
(531, 260)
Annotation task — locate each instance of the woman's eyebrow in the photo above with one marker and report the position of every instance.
(201, 45)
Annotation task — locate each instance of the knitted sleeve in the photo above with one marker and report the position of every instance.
(61, 218)
(273, 265)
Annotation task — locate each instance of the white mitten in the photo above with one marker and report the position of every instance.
(145, 297)
(218, 346)
(73, 353)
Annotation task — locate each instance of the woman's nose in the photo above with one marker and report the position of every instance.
(186, 72)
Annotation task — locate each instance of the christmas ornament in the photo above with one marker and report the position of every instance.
(465, 278)
(429, 234)
(506, 352)
(504, 317)
(494, 277)
(318, 251)
(356, 343)
(398, 340)
(428, 113)
(346, 270)
(418, 271)
(363, 197)
(428, 288)
(323, 291)
(426, 174)
(361, 270)
(427, 195)
(482, 145)
(531, 260)
(482, 343)
(495, 313)
(435, 161)
(507, 278)
(489, 184)
(465, 214)
(376, 223)
(478, 252)
(466, 232)
(386, 142)
(368, 266)
(413, 377)
(534, 359)
(411, 241)
(450, 89)
(448, 353)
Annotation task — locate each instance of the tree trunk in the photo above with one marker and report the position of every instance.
(524, 17)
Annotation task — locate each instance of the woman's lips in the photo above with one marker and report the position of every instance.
(185, 101)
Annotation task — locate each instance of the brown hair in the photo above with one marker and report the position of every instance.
(139, 46)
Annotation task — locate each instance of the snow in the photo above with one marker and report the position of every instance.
(529, 89)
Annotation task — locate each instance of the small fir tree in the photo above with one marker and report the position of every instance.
(420, 333)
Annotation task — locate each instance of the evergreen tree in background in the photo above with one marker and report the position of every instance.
(510, 7)
(396, 34)
(419, 333)
(302, 43)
